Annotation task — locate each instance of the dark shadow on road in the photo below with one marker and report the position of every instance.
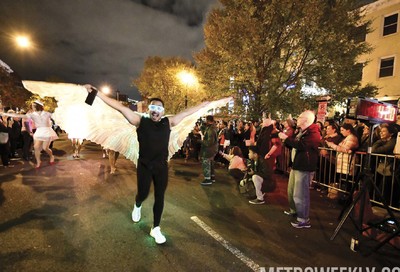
(187, 175)
(9, 259)
(43, 213)
(3, 180)
(59, 152)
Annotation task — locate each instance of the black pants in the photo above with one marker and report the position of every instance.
(158, 173)
(13, 146)
(237, 174)
(4, 150)
(27, 143)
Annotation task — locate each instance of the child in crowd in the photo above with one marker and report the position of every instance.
(259, 171)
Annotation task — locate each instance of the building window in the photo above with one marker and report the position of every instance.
(360, 34)
(390, 24)
(387, 67)
(359, 71)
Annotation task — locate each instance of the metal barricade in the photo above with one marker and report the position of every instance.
(340, 175)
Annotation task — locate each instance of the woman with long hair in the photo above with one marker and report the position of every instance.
(345, 154)
(237, 165)
(386, 181)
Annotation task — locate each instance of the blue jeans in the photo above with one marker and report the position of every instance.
(299, 193)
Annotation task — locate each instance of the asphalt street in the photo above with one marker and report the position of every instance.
(76, 216)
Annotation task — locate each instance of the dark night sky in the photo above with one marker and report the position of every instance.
(98, 41)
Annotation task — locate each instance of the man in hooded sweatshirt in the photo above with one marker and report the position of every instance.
(304, 158)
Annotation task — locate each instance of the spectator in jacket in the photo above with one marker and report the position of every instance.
(327, 162)
(4, 142)
(26, 132)
(387, 141)
(238, 136)
(249, 138)
(346, 147)
(304, 163)
(364, 140)
(385, 145)
(332, 135)
(14, 131)
(193, 143)
(209, 148)
(264, 139)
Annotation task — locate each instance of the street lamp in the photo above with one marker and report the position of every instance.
(188, 79)
(106, 90)
(23, 41)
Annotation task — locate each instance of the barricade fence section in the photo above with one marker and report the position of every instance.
(337, 172)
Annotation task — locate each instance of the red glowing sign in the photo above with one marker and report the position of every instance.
(371, 110)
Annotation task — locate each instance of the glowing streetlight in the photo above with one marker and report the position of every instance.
(188, 79)
(23, 42)
(106, 90)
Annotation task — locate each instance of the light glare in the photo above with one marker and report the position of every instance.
(23, 41)
(187, 78)
(106, 90)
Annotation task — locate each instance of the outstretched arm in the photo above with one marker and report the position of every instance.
(13, 115)
(131, 116)
(176, 119)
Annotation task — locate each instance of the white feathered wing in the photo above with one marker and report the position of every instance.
(104, 125)
(98, 123)
(180, 132)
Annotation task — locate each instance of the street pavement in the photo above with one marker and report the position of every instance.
(76, 216)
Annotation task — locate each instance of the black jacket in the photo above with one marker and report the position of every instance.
(306, 144)
(260, 168)
(264, 140)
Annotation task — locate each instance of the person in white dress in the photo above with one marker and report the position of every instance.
(44, 134)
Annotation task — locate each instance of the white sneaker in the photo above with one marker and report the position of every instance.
(157, 235)
(136, 213)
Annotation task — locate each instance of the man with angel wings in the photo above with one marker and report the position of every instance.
(149, 140)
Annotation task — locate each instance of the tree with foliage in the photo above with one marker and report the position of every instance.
(50, 104)
(12, 92)
(272, 47)
(14, 95)
(160, 78)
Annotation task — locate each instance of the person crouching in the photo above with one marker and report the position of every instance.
(259, 173)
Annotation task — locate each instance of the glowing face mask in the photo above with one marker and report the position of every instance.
(156, 108)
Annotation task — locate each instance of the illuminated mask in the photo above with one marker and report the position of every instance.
(156, 108)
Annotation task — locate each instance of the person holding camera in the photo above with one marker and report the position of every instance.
(304, 156)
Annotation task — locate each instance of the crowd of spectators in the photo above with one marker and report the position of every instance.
(340, 141)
